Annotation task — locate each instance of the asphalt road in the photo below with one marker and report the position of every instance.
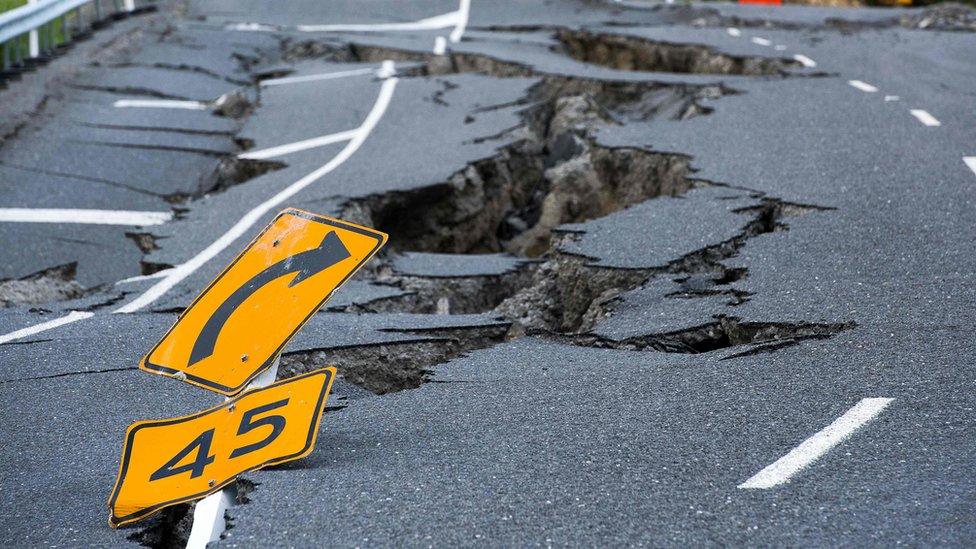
(657, 275)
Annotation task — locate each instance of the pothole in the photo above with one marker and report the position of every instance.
(631, 53)
(52, 284)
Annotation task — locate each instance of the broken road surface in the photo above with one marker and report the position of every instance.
(656, 275)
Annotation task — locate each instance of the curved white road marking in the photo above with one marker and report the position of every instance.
(971, 162)
(139, 278)
(925, 118)
(805, 61)
(92, 217)
(464, 10)
(160, 104)
(733, 32)
(863, 86)
(73, 316)
(314, 77)
(302, 145)
(811, 449)
(761, 41)
(184, 270)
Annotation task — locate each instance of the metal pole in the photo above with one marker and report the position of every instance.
(33, 39)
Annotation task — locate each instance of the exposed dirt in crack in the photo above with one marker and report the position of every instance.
(725, 332)
(170, 528)
(52, 284)
(394, 366)
(631, 53)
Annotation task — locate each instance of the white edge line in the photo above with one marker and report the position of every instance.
(805, 61)
(160, 104)
(811, 449)
(971, 162)
(184, 270)
(73, 316)
(302, 145)
(92, 217)
(924, 117)
(863, 86)
(314, 77)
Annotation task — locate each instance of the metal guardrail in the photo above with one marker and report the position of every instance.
(45, 25)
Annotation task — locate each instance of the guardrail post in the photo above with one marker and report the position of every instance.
(33, 38)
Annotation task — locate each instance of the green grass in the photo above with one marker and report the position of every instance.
(21, 42)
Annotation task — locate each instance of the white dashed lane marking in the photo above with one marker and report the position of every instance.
(811, 449)
(971, 162)
(160, 104)
(805, 61)
(733, 32)
(863, 86)
(302, 145)
(91, 217)
(315, 77)
(761, 41)
(925, 118)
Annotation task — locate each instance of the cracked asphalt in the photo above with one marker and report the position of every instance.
(639, 255)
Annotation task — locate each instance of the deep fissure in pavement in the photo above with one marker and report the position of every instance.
(394, 366)
(632, 53)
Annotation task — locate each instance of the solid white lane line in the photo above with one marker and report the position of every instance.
(160, 104)
(925, 118)
(96, 217)
(733, 32)
(73, 316)
(863, 86)
(184, 270)
(440, 45)
(430, 23)
(805, 61)
(761, 41)
(302, 145)
(314, 77)
(971, 162)
(783, 469)
(464, 10)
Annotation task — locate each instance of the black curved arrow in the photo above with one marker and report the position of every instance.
(307, 263)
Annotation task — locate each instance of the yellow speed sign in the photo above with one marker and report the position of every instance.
(170, 461)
